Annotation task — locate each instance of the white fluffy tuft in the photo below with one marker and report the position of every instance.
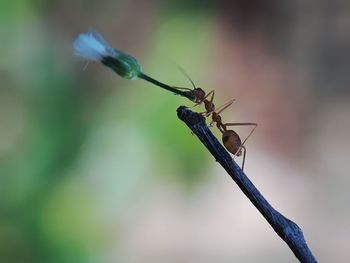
(91, 46)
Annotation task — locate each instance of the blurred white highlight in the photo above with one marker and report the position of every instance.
(92, 46)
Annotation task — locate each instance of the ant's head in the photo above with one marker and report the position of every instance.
(199, 94)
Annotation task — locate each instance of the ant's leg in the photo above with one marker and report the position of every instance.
(195, 105)
(244, 155)
(244, 124)
(212, 93)
(242, 147)
(205, 115)
(224, 106)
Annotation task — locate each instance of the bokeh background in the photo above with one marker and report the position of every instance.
(94, 168)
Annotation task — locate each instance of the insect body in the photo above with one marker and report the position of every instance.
(230, 138)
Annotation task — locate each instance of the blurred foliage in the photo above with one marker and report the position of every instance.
(56, 126)
(79, 149)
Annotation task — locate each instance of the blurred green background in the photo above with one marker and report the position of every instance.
(94, 168)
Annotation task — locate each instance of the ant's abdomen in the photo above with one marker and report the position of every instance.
(231, 141)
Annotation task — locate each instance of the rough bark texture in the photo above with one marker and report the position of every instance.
(289, 231)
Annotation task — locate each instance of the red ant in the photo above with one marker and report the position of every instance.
(230, 138)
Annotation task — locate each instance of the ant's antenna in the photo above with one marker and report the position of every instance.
(187, 76)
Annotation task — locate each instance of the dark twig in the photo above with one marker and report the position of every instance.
(285, 228)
